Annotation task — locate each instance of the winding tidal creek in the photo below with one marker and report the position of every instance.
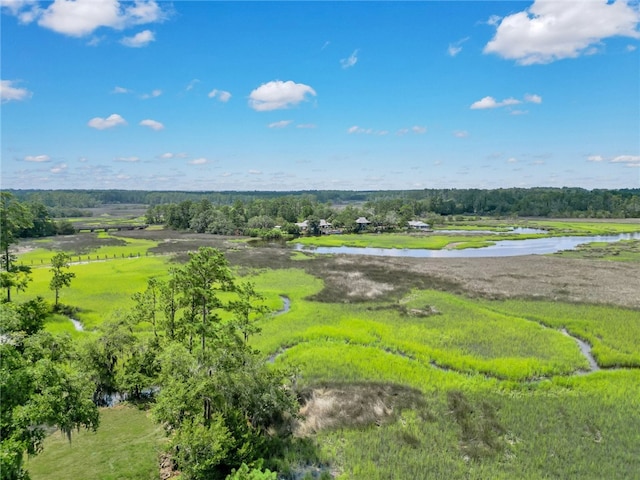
(501, 248)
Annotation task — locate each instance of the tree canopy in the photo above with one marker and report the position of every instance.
(41, 383)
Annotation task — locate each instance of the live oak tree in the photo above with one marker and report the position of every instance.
(41, 387)
(61, 277)
(14, 218)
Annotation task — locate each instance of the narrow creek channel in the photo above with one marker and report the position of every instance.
(77, 324)
(585, 349)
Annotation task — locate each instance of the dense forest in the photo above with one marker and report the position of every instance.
(539, 202)
(258, 213)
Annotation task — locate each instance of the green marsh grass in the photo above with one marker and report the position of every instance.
(613, 332)
(100, 288)
(462, 335)
(508, 354)
(584, 227)
(622, 251)
(552, 433)
(396, 240)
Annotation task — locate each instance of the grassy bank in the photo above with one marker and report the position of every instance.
(126, 445)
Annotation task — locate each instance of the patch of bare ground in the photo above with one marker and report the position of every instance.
(333, 406)
(531, 277)
(167, 467)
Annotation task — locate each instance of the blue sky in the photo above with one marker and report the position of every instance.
(205, 95)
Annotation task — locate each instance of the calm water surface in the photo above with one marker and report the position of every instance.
(501, 248)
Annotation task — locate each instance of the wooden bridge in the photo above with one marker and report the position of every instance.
(106, 228)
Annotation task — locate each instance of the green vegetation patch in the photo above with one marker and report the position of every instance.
(576, 227)
(613, 332)
(100, 288)
(622, 251)
(126, 445)
(395, 240)
(427, 328)
(549, 433)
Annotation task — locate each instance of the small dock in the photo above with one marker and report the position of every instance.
(105, 228)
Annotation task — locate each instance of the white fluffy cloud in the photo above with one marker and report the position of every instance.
(461, 134)
(630, 160)
(111, 121)
(78, 18)
(144, 12)
(192, 84)
(169, 155)
(152, 124)
(280, 124)
(403, 131)
(456, 47)
(128, 159)
(626, 160)
(15, 6)
(37, 158)
(81, 17)
(155, 93)
(367, 131)
(141, 39)
(277, 94)
(532, 98)
(198, 161)
(490, 102)
(221, 95)
(350, 61)
(8, 92)
(551, 30)
(59, 168)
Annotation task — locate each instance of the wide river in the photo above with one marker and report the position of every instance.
(501, 248)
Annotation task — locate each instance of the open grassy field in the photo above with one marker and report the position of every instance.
(127, 445)
(446, 368)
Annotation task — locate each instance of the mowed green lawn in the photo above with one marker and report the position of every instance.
(100, 289)
(127, 445)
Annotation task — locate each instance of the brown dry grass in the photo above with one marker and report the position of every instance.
(353, 278)
(353, 405)
(358, 278)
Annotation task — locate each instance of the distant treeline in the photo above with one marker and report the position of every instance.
(537, 202)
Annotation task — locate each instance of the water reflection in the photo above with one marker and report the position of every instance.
(510, 231)
(501, 248)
